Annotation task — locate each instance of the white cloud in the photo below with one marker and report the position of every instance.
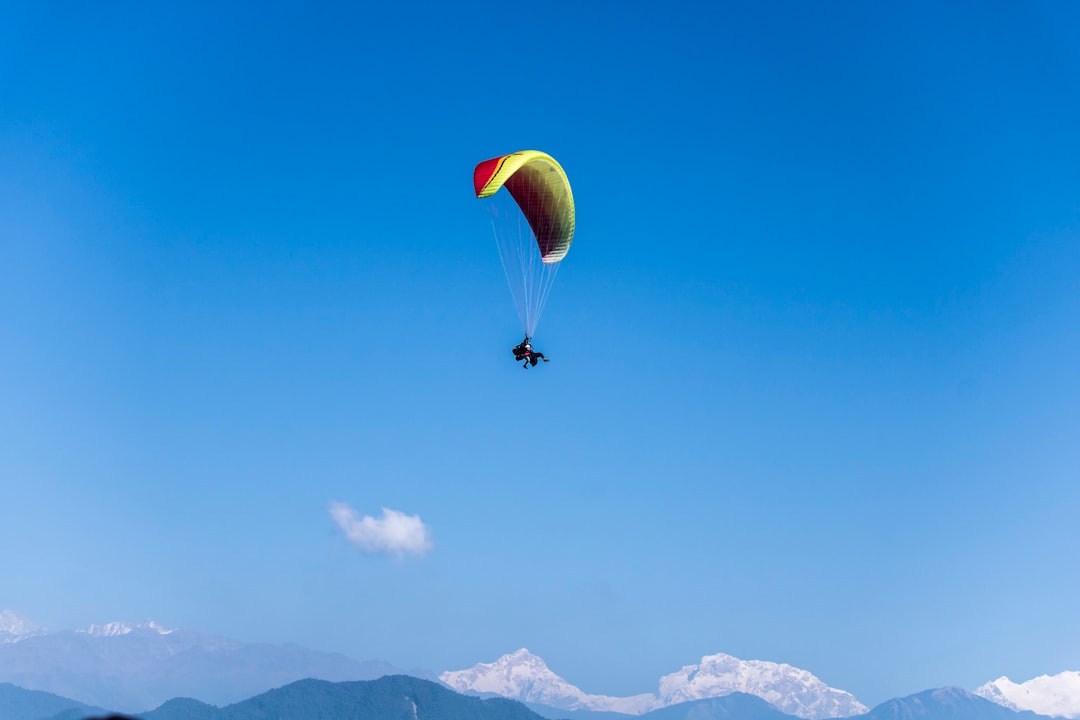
(394, 533)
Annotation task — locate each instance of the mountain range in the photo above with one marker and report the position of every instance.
(399, 697)
(523, 676)
(393, 697)
(131, 667)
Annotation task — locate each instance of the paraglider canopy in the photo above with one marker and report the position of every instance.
(539, 186)
(533, 223)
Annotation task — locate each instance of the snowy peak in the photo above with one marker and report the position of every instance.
(510, 674)
(14, 627)
(115, 629)
(1054, 695)
(522, 676)
(789, 689)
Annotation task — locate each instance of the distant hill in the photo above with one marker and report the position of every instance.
(553, 713)
(395, 697)
(736, 706)
(400, 697)
(183, 709)
(939, 704)
(17, 703)
(948, 703)
(74, 714)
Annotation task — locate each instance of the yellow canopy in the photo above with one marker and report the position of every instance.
(539, 186)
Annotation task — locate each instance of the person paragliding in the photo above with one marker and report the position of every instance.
(533, 235)
(523, 351)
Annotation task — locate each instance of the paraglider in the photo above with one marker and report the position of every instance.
(533, 230)
(524, 351)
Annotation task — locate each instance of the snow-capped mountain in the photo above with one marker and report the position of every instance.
(1054, 695)
(790, 689)
(114, 629)
(525, 677)
(14, 627)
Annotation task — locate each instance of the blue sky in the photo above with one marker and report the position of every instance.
(813, 396)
